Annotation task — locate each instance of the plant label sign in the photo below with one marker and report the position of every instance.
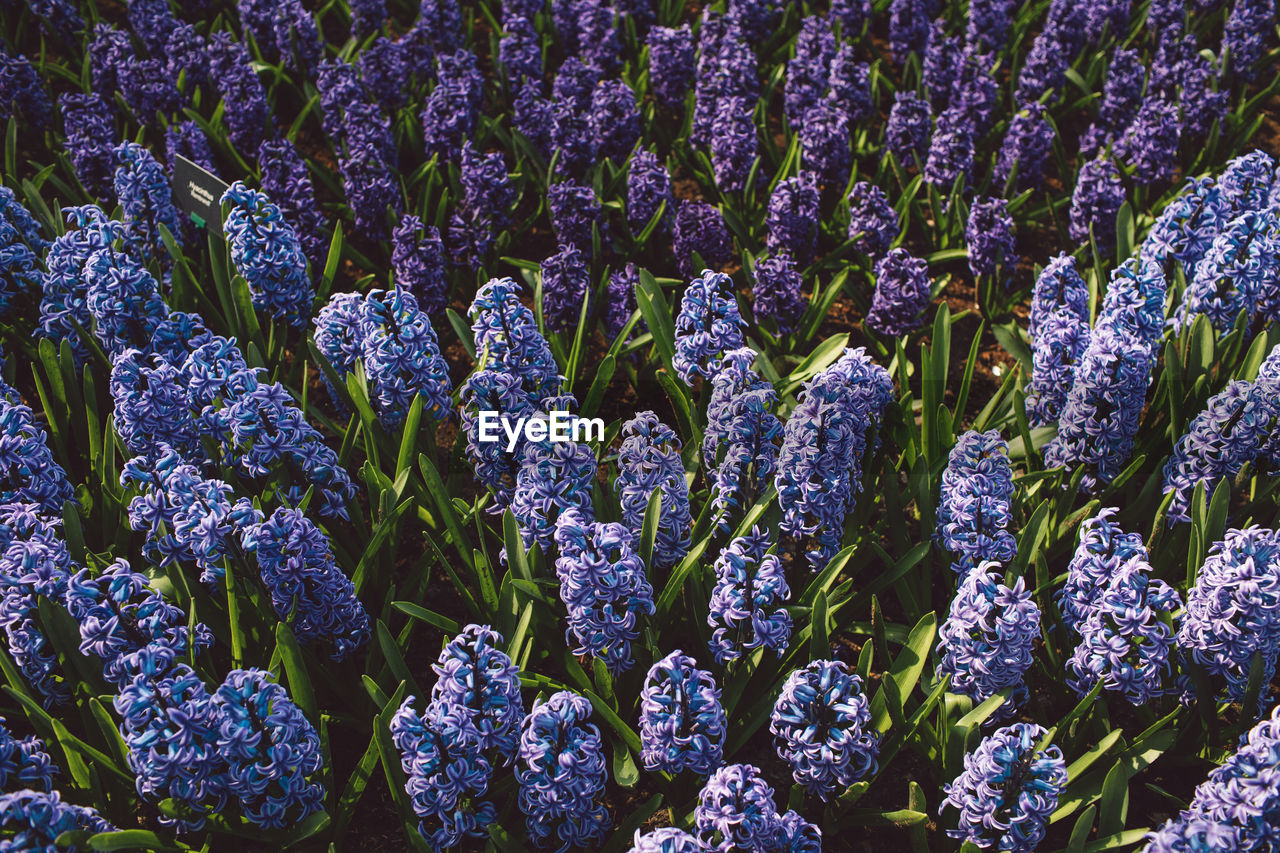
(198, 193)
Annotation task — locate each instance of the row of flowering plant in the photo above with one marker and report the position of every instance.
(859, 553)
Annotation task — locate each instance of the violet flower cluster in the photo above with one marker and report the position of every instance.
(742, 435)
(821, 725)
(648, 462)
(553, 476)
(447, 773)
(308, 591)
(1233, 610)
(902, 293)
(1234, 809)
(474, 673)
(708, 326)
(1229, 433)
(1008, 790)
(791, 222)
(820, 464)
(985, 643)
(266, 251)
(747, 610)
(682, 723)
(989, 237)
(974, 509)
(736, 811)
(561, 771)
(1104, 548)
(1125, 642)
(603, 587)
(873, 223)
(1059, 330)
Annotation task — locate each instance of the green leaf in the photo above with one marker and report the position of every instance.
(907, 667)
(356, 784)
(1115, 800)
(657, 315)
(422, 614)
(819, 640)
(649, 528)
(295, 669)
(604, 373)
(1080, 832)
(309, 827)
(128, 839)
(823, 355)
(409, 439)
(517, 556)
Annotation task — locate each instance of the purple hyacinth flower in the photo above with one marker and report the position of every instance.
(552, 477)
(708, 326)
(747, 609)
(1008, 790)
(1044, 70)
(90, 133)
(985, 644)
(272, 750)
(1231, 810)
(740, 442)
(648, 189)
(821, 726)
(907, 130)
(777, 292)
(266, 251)
(1233, 610)
(873, 223)
(975, 505)
(824, 141)
(620, 301)
(1150, 145)
(1124, 643)
(614, 120)
(33, 820)
(649, 461)
(147, 199)
(417, 257)
(243, 96)
(519, 51)
(700, 228)
(671, 63)
(566, 287)
(792, 219)
(1101, 414)
(1247, 35)
(820, 465)
(22, 93)
(562, 774)
(1056, 349)
(506, 332)
(950, 150)
(450, 112)
(902, 293)
(734, 146)
(989, 237)
(474, 674)
(1095, 202)
(682, 723)
(447, 773)
(1025, 148)
(1104, 547)
(603, 587)
(908, 28)
(1227, 434)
